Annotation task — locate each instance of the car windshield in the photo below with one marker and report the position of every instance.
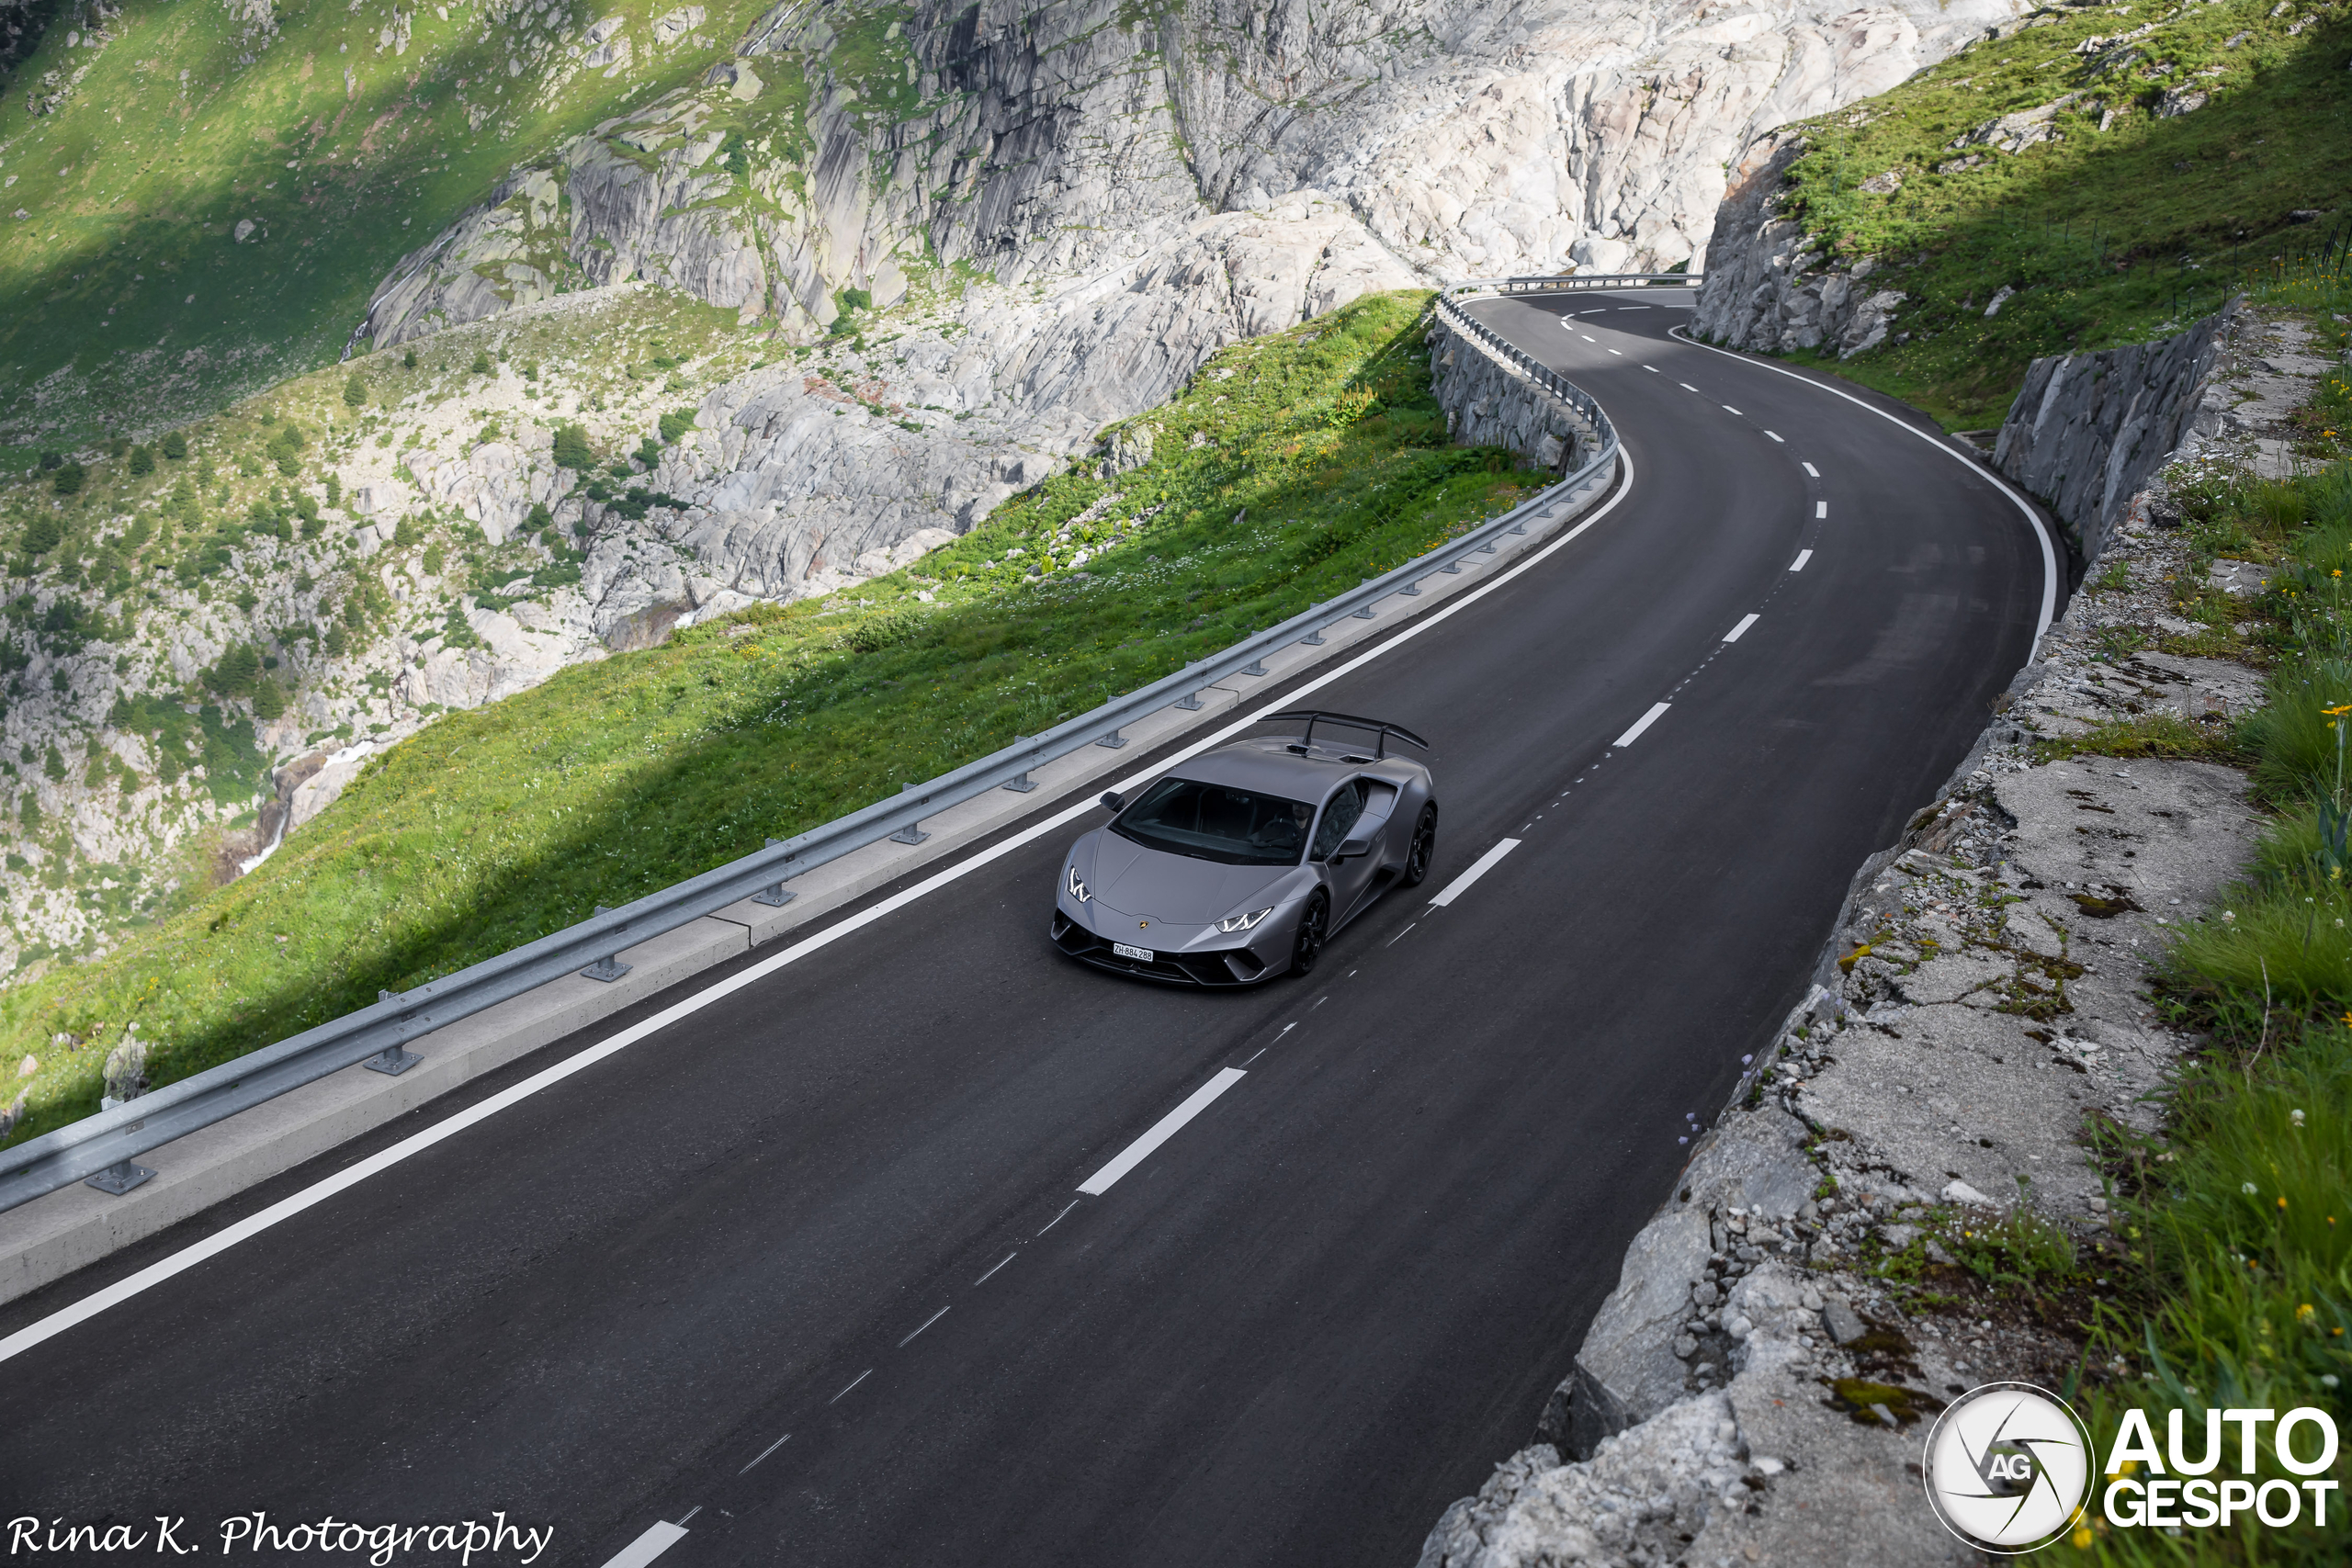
(1215, 822)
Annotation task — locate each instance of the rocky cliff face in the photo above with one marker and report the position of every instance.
(1767, 289)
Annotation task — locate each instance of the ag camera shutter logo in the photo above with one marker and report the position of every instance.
(2008, 1468)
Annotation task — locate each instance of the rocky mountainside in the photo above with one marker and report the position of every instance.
(759, 303)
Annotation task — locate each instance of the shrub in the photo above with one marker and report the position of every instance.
(483, 366)
(68, 480)
(674, 423)
(269, 701)
(571, 447)
(354, 392)
(407, 533)
(433, 559)
(334, 482)
(175, 447)
(143, 460)
(236, 673)
(42, 535)
(51, 461)
(648, 453)
(408, 359)
(538, 518)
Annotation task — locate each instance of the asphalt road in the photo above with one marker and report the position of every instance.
(808, 1273)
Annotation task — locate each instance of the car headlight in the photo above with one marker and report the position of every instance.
(1243, 922)
(1077, 888)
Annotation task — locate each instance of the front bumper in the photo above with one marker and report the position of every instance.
(1221, 966)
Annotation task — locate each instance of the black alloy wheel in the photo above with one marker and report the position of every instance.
(1314, 924)
(1416, 859)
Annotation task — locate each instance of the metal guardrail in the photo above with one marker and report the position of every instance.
(1572, 283)
(103, 1149)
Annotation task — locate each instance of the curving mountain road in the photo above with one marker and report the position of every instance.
(808, 1273)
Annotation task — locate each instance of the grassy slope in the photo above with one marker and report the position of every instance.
(126, 278)
(2111, 237)
(2239, 1218)
(617, 778)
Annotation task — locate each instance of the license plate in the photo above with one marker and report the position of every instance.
(1141, 954)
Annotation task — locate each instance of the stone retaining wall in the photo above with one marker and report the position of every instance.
(1489, 402)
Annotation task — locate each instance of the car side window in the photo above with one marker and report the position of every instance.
(1339, 816)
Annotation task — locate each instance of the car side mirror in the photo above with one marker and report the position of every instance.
(1113, 800)
(1351, 849)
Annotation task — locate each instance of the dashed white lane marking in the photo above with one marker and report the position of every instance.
(991, 1273)
(1651, 369)
(2033, 518)
(1775, 436)
(194, 1253)
(1821, 509)
(765, 1451)
(927, 1322)
(1633, 306)
(1057, 1219)
(853, 1384)
(1618, 352)
(657, 1539)
(1587, 339)
(1478, 868)
(1641, 724)
(1167, 1127)
(1734, 633)
(1686, 385)
(1809, 468)
(1728, 408)
(1803, 556)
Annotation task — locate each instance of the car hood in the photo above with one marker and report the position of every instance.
(1176, 890)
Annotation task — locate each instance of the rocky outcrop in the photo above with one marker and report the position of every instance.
(2088, 431)
(1768, 289)
(1489, 401)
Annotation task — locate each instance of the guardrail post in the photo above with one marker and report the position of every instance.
(1020, 783)
(391, 1061)
(912, 832)
(119, 1178)
(610, 966)
(1112, 742)
(1312, 638)
(1410, 590)
(775, 894)
(1366, 613)
(1255, 667)
(1487, 549)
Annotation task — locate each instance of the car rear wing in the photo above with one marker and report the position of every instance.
(1350, 721)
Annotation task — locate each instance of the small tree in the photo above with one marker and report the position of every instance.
(42, 535)
(408, 359)
(538, 518)
(674, 423)
(572, 448)
(354, 392)
(483, 366)
(68, 480)
(334, 489)
(175, 447)
(143, 461)
(407, 533)
(269, 701)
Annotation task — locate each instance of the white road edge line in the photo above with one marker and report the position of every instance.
(1167, 1127)
(1736, 632)
(285, 1209)
(1803, 556)
(658, 1539)
(2041, 532)
(1809, 468)
(1641, 724)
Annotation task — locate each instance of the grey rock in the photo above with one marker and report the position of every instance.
(1840, 1323)
(2088, 431)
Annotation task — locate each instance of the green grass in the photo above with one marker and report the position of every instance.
(2237, 1289)
(126, 301)
(2109, 237)
(1326, 462)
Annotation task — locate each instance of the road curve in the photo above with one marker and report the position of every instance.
(808, 1272)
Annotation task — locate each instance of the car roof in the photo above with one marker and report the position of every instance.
(1271, 764)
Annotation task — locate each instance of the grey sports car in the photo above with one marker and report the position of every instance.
(1241, 864)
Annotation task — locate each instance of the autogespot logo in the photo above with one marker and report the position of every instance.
(2008, 1468)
